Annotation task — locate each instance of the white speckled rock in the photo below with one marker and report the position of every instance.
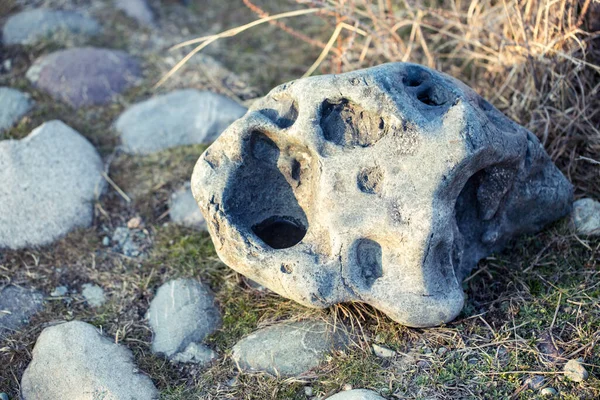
(17, 305)
(182, 117)
(136, 9)
(183, 313)
(74, 361)
(28, 27)
(356, 394)
(184, 210)
(586, 216)
(49, 182)
(575, 371)
(287, 349)
(85, 76)
(13, 105)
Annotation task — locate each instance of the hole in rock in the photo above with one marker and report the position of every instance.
(368, 258)
(348, 124)
(283, 111)
(280, 232)
(258, 198)
(432, 96)
(415, 76)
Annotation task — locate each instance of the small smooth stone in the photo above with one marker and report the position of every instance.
(548, 392)
(30, 26)
(13, 105)
(185, 211)
(586, 216)
(182, 312)
(3, 396)
(356, 394)
(196, 354)
(179, 118)
(535, 382)
(17, 305)
(137, 10)
(93, 294)
(59, 291)
(49, 182)
(85, 76)
(308, 391)
(105, 241)
(74, 361)
(575, 371)
(383, 352)
(287, 349)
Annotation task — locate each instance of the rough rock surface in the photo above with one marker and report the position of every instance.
(13, 105)
(136, 9)
(74, 361)
(184, 210)
(49, 181)
(93, 294)
(586, 216)
(356, 394)
(287, 349)
(394, 181)
(85, 76)
(182, 117)
(17, 305)
(181, 315)
(30, 26)
(575, 371)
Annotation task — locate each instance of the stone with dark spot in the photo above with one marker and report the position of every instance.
(85, 76)
(384, 186)
(288, 349)
(17, 305)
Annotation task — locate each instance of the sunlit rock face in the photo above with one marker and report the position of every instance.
(385, 186)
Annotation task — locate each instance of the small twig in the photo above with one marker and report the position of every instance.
(116, 187)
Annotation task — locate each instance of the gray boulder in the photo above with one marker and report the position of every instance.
(28, 27)
(384, 186)
(184, 210)
(181, 315)
(74, 361)
(13, 105)
(17, 305)
(137, 10)
(182, 117)
(49, 182)
(586, 217)
(356, 394)
(288, 349)
(85, 76)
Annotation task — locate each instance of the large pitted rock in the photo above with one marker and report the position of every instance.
(75, 361)
(384, 186)
(49, 181)
(85, 76)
